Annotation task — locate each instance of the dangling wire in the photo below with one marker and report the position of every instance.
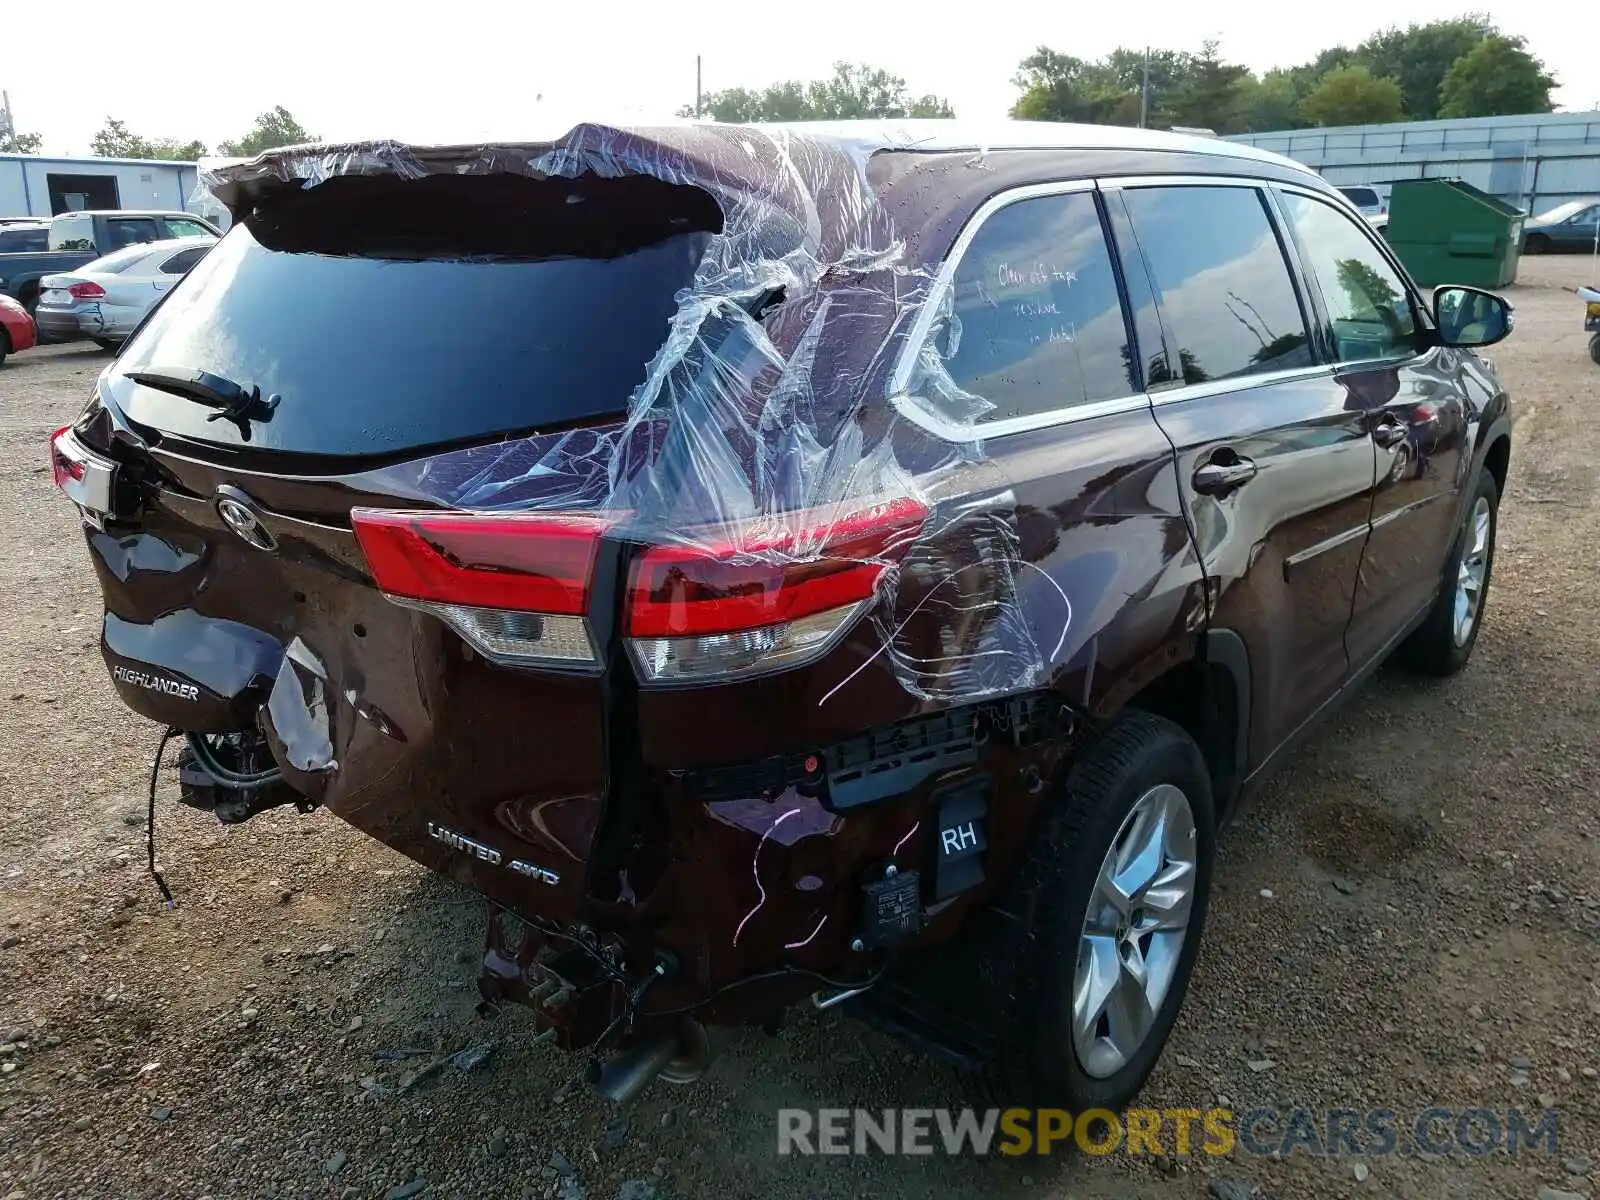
(150, 819)
(206, 759)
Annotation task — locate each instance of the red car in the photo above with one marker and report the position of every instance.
(16, 327)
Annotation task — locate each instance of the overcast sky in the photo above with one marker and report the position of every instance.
(470, 69)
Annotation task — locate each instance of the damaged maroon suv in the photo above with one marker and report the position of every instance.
(858, 562)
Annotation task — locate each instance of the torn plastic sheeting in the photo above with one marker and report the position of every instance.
(956, 629)
(298, 707)
(747, 418)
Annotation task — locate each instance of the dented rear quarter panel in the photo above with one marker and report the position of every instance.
(1056, 561)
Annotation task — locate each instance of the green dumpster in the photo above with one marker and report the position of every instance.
(1447, 231)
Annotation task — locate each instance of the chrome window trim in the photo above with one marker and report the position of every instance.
(1422, 311)
(955, 431)
(900, 380)
(1232, 383)
(1238, 383)
(1335, 200)
(1139, 181)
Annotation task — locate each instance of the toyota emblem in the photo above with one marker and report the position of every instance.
(241, 516)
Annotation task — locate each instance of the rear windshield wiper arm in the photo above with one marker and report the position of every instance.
(231, 400)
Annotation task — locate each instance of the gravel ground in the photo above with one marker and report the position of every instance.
(1408, 917)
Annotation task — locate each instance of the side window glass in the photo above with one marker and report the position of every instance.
(124, 232)
(177, 227)
(75, 233)
(182, 261)
(1225, 289)
(1369, 312)
(1034, 321)
(1141, 300)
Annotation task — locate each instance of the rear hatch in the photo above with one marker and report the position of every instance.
(433, 344)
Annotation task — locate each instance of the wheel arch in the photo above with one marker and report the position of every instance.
(1208, 696)
(1496, 456)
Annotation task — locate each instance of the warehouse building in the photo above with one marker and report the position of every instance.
(38, 186)
(1536, 162)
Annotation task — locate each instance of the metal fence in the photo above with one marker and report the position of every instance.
(1533, 161)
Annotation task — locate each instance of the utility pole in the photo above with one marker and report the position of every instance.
(11, 124)
(696, 87)
(1144, 91)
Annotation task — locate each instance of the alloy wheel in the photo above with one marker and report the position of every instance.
(1472, 574)
(1134, 930)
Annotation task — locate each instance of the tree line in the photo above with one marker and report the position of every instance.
(115, 140)
(853, 91)
(1464, 67)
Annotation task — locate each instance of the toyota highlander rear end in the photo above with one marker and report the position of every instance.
(524, 511)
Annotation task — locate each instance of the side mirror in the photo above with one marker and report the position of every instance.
(1469, 316)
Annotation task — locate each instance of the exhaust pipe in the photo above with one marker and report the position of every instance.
(680, 1057)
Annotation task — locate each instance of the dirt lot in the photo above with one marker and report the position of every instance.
(1409, 917)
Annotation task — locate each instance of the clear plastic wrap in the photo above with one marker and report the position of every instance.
(764, 420)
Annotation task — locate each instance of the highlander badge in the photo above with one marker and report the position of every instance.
(156, 683)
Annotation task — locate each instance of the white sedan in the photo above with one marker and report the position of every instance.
(106, 299)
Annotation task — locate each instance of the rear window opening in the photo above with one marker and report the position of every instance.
(484, 216)
(396, 316)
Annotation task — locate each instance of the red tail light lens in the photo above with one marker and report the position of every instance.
(727, 586)
(88, 479)
(530, 562)
(514, 585)
(66, 468)
(86, 291)
(744, 606)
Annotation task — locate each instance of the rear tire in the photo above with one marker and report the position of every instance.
(1443, 643)
(1536, 243)
(1135, 809)
(1594, 347)
(106, 344)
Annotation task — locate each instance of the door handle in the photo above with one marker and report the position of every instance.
(1389, 432)
(1213, 478)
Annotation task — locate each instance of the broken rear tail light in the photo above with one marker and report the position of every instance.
(745, 606)
(514, 585)
(65, 466)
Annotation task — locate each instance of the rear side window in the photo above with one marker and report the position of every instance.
(1038, 323)
(393, 316)
(183, 260)
(16, 240)
(1226, 295)
(73, 233)
(1361, 197)
(1369, 310)
(129, 231)
(177, 227)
